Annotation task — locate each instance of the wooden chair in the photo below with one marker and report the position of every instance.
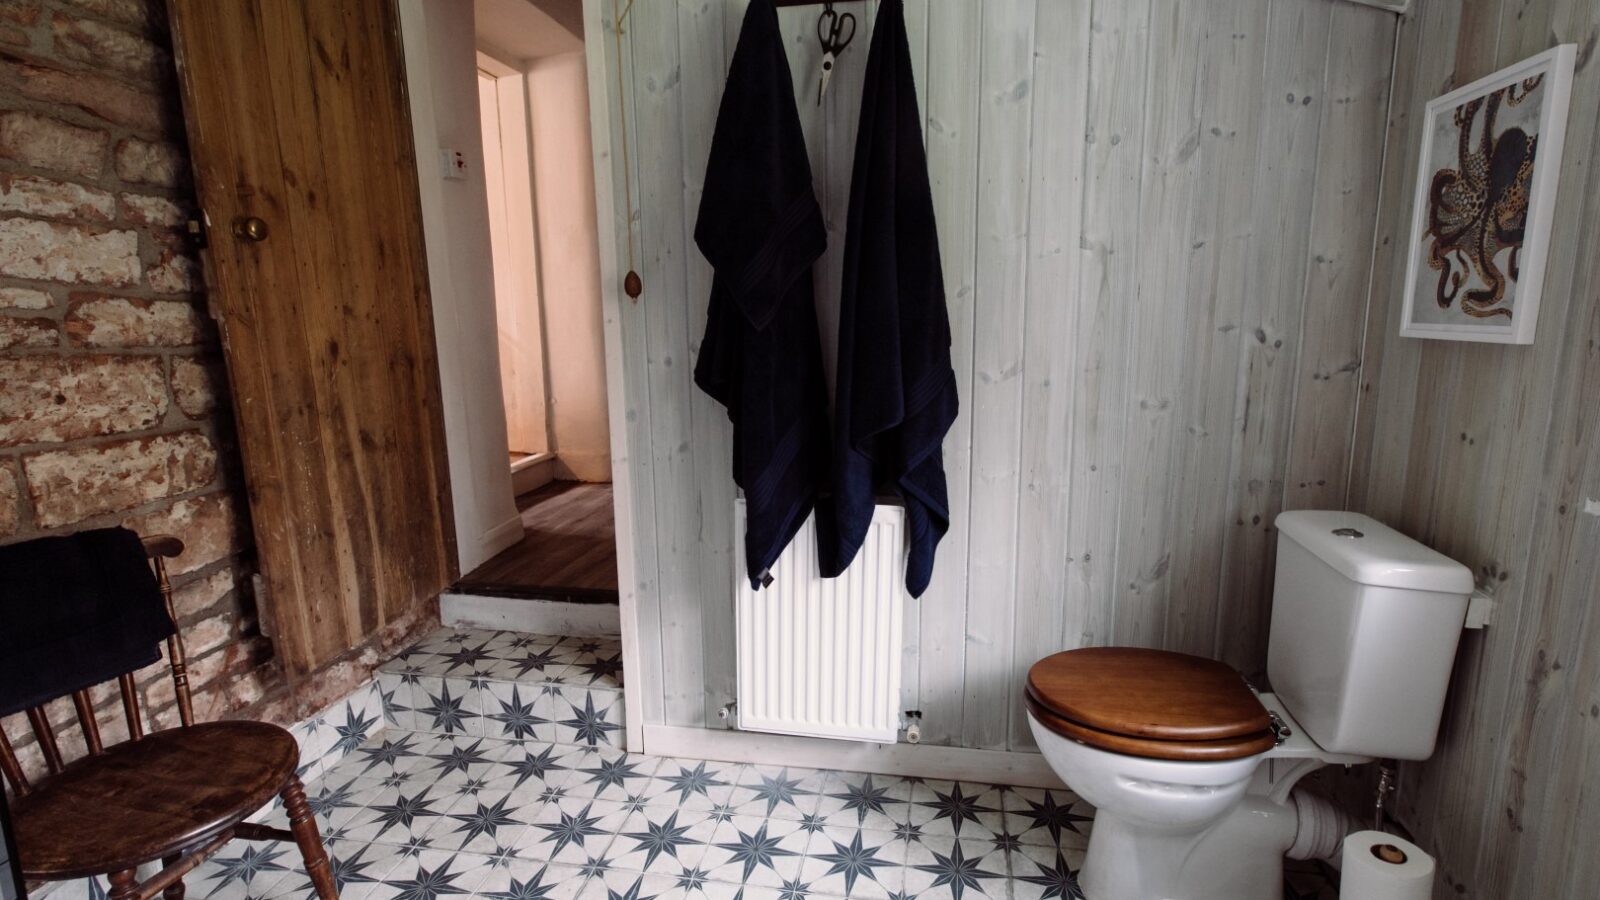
(176, 796)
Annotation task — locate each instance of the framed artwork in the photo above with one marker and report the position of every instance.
(1485, 200)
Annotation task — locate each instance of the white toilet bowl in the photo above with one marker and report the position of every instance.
(1168, 830)
(1193, 773)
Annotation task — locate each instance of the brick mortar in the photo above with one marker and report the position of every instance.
(243, 670)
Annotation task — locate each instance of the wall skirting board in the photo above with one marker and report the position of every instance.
(530, 616)
(1018, 768)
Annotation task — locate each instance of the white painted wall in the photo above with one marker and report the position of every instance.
(569, 265)
(441, 67)
(508, 177)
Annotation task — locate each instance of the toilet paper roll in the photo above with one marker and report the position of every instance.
(1378, 866)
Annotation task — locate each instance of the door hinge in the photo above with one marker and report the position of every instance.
(264, 617)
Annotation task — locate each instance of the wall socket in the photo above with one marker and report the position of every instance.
(452, 164)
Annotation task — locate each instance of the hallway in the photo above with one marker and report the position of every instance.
(569, 551)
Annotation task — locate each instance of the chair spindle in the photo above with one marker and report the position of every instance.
(46, 737)
(88, 722)
(12, 768)
(130, 706)
(175, 652)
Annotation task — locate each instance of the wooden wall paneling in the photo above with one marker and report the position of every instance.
(1055, 215)
(641, 592)
(1107, 272)
(1423, 70)
(1446, 459)
(1232, 56)
(1006, 88)
(703, 69)
(917, 14)
(1387, 359)
(1165, 296)
(1298, 38)
(1215, 250)
(1345, 204)
(1512, 515)
(799, 24)
(664, 246)
(951, 96)
(840, 115)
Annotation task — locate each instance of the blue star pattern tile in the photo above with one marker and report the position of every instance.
(1049, 818)
(663, 840)
(588, 717)
(958, 810)
(475, 800)
(956, 869)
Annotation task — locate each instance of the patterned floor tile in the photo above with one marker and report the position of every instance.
(692, 784)
(572, 830)
(939, 868)
(880, 802)
(852, 862)
(664, 840)
(957, 809)
(529, 880)
(1048, 818)
(428, 875)
(786, 793)
(480, 801)
(756, 850)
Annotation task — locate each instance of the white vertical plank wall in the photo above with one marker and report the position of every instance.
(1127, 204)
(1494, 458)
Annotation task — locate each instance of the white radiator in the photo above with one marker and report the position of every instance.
(821, 656)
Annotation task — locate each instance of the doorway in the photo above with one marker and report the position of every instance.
(538, 175)
(538, 182)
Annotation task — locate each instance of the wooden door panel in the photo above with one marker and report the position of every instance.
(297, 115)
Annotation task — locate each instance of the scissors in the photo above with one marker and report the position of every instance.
(835, 31)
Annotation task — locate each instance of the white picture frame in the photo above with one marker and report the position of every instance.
(1492, 289)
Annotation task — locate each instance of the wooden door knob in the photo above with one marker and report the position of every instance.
(250, 228)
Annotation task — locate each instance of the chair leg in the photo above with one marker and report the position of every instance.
(174, 890)
(124, 884)
(303, 825)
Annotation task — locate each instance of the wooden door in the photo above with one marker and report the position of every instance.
(297, 118)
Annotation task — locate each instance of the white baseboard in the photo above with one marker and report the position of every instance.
(531, 473)
(504, 535)
(530, 616)
(920, 760)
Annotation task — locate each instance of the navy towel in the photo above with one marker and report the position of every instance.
(761, 229)
(75, 611)
(896, 390)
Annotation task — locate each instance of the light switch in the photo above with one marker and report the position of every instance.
(453, 164)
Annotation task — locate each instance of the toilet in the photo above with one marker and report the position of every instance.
(1193, 772)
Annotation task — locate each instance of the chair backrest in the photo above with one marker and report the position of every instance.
(158, 549)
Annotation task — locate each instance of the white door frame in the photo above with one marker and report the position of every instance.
(612, 271)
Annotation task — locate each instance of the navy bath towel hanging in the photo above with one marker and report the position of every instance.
(761, 229)
(896, 390)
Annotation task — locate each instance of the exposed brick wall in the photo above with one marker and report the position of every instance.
(113, 400)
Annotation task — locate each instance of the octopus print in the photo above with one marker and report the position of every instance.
(1478, 210)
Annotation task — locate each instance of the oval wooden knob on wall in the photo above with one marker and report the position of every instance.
(251, 228)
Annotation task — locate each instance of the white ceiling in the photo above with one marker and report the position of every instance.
(517, 30)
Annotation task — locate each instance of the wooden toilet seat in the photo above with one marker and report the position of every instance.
(1149, 703)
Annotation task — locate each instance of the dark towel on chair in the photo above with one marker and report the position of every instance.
(761, 229)
(896, 390)
(75, 611)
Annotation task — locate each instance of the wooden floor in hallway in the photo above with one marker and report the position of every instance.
(569, 551)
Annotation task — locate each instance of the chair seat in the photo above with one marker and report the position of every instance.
(154, 797)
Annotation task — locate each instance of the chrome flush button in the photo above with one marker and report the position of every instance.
(1348, 533)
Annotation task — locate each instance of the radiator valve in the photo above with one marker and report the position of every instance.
(913, 727)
